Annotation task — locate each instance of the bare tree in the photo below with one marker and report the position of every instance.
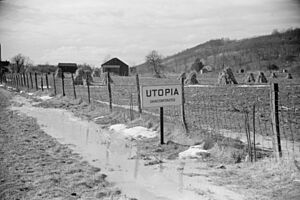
(106, 58)
(20, 63)
(154, 60)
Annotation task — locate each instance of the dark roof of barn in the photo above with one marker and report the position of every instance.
(114, 61)
(67, 65)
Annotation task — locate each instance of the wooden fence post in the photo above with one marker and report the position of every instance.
(109, 91)
(138, 93)
(24, 79)
(182, 106)
(36, 82)
(20, 79)
(74, 91)
(17, 81)
(88, 87)
(54, 84)
(248, 135)
(47, 83)
(27, 79)
(42, 82)
(63, 83)
(254, 147)
(31, 81)
(275, 120)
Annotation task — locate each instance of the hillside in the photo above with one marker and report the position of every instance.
(257, 53)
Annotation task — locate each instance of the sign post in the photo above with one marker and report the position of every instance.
(162, 125)
(160, 96)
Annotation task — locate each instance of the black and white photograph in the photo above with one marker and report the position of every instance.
(150, 99)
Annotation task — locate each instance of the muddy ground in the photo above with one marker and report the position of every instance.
(35, 158)
(33, 165)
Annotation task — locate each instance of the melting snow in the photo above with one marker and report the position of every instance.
(194, 152)
(134, 132)
(45, 97)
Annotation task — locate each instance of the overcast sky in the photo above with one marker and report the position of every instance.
(87, 31)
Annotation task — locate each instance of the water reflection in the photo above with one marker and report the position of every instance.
(145, 182)
(161, 167)
(180, 176)
(136, 163)
(87, 136)
(107, 152)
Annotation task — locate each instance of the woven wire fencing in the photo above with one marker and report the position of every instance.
(240, 112)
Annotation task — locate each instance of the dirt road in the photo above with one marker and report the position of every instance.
(33, 165)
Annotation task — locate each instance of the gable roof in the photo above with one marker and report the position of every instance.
(114, 61)
(68, 67)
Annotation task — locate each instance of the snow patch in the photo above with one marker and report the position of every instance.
(46, 97)
(29, 93)
(96, 118)
(194, 152)
(137, 132)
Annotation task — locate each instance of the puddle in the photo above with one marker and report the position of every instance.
(110, 151)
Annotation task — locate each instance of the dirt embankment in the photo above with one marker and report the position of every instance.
(35, 166)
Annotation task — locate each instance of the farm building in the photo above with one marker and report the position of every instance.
(115, 66)
(4, 66)
(68, 67)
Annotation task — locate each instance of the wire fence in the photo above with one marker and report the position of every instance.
(261, 117)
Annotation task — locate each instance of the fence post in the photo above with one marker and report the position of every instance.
(182, 106)
(17, 81)
(247, 129)
(42, 84)
(138, 93)
(36, 82)
(24, 79)
(31, 81)
(74, 91)
(254, 147)
(88, 87)
(27, 81)
(20, 79)
(109, 91)
(54, 85)
(47, 83)
(275, 120)
(63, 83)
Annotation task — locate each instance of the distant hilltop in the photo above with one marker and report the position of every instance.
(281, 49)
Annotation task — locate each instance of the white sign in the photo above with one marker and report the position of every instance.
(161, 95)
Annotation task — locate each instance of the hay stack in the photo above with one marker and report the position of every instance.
(261, 78)
(250, 78)
(78, 76)
(273, 75)
(96, 72)
(87, 77)
(289, 76)
(58, 73)
(191, 79)
(226, 77)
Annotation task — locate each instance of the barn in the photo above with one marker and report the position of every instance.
(68, 67)
(116, 66)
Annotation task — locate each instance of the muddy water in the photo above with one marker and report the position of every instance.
(110, 151)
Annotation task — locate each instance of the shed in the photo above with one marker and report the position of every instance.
(68, 67)
(4, 67)
(115, 66)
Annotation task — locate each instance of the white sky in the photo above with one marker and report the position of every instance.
(86, 31)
